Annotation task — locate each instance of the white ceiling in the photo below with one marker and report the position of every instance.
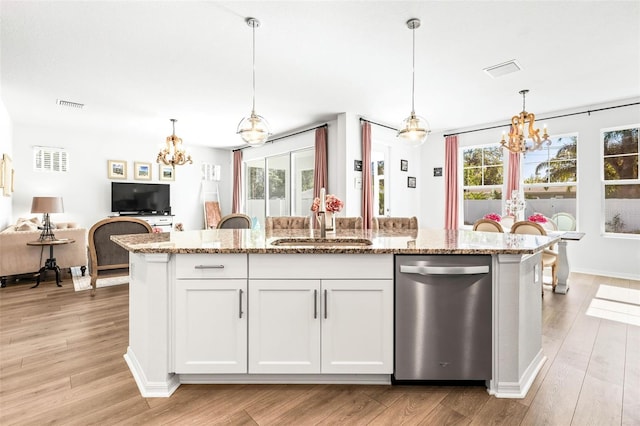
(136, 64)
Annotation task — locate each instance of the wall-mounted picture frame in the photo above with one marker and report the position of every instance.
(7, 175)
(116, 169)
(404, 165)
(357, 165)
(141, 171)
(411, 182)
(166, 172)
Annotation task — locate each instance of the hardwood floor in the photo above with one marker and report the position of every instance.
(61, 362)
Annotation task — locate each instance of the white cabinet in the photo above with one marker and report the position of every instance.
(357, 326)
(210, 314)
(164, 222)
(284, 326)
(324, 314)
(321, 326)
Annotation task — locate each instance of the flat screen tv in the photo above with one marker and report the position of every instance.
(140, 198)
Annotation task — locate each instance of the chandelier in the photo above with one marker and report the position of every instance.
(414, 129)
(517, 142)
(254, 129)
(174, 153)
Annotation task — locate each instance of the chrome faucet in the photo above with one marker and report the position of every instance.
(323, 225)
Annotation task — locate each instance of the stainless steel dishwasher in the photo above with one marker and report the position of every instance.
(442, 317)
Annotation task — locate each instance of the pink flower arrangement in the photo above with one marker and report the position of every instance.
(493, 216)
(332, 204)
(537, 218)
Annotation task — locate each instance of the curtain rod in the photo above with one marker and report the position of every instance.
(589, 111)
(378, 124)
(286, 136)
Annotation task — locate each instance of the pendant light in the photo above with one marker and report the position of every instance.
(174, 153)
(414, 129)
(254, 129)
(517, 142)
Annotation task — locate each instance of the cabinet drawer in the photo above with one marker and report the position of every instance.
(211, 265)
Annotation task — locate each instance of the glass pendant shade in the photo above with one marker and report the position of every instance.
(414, 130)
(254, 129)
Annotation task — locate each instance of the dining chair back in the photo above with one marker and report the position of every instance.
(549, 256)
(564, 221)
(354, 222)
(394, 223)
(487, 225)
(286, 222)
(235, 221)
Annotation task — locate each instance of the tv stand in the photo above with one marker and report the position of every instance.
(162, 221)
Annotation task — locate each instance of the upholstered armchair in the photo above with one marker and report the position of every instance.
(394, 223)
(107, 258)
(354, 222)
(286, 222)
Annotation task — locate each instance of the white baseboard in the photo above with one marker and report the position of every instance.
(354, 379)
(606, 273)
(147, 388)
(520, 388)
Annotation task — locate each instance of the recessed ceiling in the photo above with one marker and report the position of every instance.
(137, 64)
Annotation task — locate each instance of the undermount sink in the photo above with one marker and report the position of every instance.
(322, 242)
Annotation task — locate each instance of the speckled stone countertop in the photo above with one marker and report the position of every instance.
(423, 241)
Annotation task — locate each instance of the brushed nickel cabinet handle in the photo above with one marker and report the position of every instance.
(240, 298)
(209, 266)
(325, 304)
(315, 304)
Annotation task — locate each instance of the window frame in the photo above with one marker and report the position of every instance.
(461, 176)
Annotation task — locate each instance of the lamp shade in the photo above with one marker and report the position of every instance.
(47, 205)
(414, 130)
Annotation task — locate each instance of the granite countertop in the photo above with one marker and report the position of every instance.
(422, 241)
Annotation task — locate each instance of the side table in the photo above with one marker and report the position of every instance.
(50, 264)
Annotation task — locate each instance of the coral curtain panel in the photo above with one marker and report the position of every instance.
(367, 195)
(237, 182)
(513, 174)
(451, 182)
(320, 169)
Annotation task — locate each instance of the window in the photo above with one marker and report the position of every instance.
(288, 184)
(482, 185)
(47, 159)
(380, 179)
(549, 177)
(621, 185)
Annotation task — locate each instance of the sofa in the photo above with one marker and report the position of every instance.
(17, 258)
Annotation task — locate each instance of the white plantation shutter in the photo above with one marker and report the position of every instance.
(48, 159)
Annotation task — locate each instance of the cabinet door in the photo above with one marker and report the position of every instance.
(211, 326)
(284, 326)
(357, 326)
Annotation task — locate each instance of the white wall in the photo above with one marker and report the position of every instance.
(85, 188)
(594, 253)
(6, 216)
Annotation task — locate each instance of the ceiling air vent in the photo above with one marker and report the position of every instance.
(504, 68)
(69, 104)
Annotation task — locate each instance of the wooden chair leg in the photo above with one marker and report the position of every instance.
(93, 285)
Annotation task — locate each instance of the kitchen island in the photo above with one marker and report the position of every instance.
(242, 306)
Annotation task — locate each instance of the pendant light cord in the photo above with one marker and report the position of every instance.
(253, 27)
(413, 72)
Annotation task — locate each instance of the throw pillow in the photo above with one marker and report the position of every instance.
(27, 224)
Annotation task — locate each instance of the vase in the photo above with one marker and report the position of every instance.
(329, 221)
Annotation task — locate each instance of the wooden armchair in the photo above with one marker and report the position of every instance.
(549, 256)
(235, 221)
(487, 225)
(106, 258)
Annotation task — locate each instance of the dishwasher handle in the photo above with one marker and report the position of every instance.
(444, 270)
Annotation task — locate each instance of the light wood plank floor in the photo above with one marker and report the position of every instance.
(61, 362)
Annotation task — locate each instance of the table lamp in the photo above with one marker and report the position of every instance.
(47, 205)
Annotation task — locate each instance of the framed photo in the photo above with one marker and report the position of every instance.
(117, 169)
(142, 171)
(166, 172)
(411, 182)
(404, 165)
(357, 165)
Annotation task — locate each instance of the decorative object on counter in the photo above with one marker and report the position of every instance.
(517, 142)
(174, 153)
(331, 206)
(47, 205)
(516, 204)
(414, 129)
(254, 129)
(117, 169)
(537, 218)
(142, 171)
(493, 216)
